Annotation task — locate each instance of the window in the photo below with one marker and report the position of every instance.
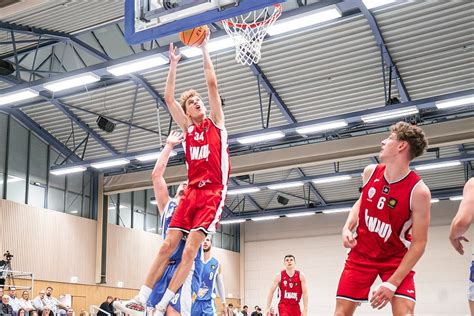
(139, 210)
(17, 162)
(125, 211)
(38, 166)
(74, 194)
(57, 185)
(113, 205)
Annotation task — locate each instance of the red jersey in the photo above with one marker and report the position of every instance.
(385, 216)
(290, 288)
(207, 155)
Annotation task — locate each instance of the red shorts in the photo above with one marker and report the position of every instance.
(289, 310)
(199, 209)
(360, 273)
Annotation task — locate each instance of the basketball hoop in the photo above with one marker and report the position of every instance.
(248, 30)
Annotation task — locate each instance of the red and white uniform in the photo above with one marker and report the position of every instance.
(207, 159)
(383, 236)
(290, 294)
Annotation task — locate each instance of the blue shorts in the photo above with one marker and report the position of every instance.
(183, 299)
(204, 308)
(471, 283)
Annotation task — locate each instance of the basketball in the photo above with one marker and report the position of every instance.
(194, 37)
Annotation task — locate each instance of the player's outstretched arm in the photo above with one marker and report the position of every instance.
(221, 289)
(305, 295)
(463, 219)
(216, 114)
(348, 239)
(173, 106)
(276, 282)
(159, 184)
(421, 204)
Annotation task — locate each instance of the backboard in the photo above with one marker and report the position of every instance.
(146, 20)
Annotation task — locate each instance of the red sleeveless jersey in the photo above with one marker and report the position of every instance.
(207, 155)
(290, 288)
(385, 216)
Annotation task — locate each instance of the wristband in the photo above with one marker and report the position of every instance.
(389, 286)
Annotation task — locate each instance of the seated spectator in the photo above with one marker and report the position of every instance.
(5, 307)
(15, 303)
(39, 302)
(56, 307)
(27, 304)
(70, 312)
(47, 311)
(107, 307)
(245, 310)
(21, 312)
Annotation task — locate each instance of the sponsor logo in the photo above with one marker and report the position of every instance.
(285, 283)
(371, 192)
(203, 183)
(190, 129)
(375, 225)
(410, 291)
(199, 152)
(213, 267)
(386, 189)
(291, 295)
(392, 203)
(291, 285)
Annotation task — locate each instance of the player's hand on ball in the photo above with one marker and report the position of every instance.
(173, 54)
(381, 297)
(348, 239)
(175, 138)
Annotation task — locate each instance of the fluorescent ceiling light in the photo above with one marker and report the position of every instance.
(11, 179)
(151, 230)
(304, 20)
(390, 114)
(71, 82)
(434, 200)
(370, 4)
(214, 45)
(455, 102)
(74, 212)
(336, 210)
(111, 208)
(260, 137)
(264, 218)
(243, 191)
(18, 96)
(152, 156)
(110, 163)
(300, 214)
(137, 65)
(232, 221)
(61, 171)
(456, 198)
(438, 165)
(332, 179)
(285, 185)
(321, 127)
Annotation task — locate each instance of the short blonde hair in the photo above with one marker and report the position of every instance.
(413, 135)
(185, 96)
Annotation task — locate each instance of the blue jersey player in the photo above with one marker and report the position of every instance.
(211, 282)
(182, 301)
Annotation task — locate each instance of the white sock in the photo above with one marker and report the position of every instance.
(167, 297)
(144, 294)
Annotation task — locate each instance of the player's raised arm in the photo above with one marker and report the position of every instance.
(216, 114)
(159, 184)
(173, 106)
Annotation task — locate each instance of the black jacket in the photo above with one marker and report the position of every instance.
(6, 309)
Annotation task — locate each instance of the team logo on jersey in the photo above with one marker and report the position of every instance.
(392, 203)
(291, 285)
(296, 283)
(213, 267)
(285, 283)
(371, 192)
(386, 189)
(190, 129)
(206, 129)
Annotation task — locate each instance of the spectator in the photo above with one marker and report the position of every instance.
(47, 311)
(70, 312)
(245, 310)
(5, 307)
(27, 304)
(271, 312)
(259, 311)
(107, 307)
(255, 312)
(15, 303)
(21, 312)
(39, 302)
(55, 306)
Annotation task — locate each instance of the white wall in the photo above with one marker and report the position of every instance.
(441, 275)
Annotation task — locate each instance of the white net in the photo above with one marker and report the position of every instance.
(248, 31)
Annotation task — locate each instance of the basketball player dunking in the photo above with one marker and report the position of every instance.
(207, 158)
(394, 200)
(292, 285)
